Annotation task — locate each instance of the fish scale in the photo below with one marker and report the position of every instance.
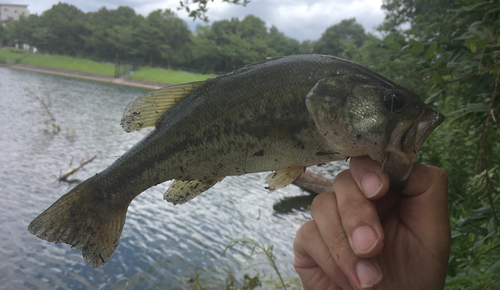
(281, 115)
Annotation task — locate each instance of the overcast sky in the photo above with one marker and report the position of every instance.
(299, 19)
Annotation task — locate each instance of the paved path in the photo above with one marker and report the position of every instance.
(88, 76)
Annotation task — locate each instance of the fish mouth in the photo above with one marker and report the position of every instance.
(401, 153)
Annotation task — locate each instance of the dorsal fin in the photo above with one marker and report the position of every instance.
(273, 57)
(268, 59)
(144, 111)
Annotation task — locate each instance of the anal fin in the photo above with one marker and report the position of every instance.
(283, 177)
(182, 191)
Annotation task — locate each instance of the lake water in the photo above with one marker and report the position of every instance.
(162, 246)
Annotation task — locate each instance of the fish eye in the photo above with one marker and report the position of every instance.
(393, 102)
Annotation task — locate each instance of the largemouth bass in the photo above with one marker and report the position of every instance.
(279, 115)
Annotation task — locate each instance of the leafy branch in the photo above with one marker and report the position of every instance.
(202, 7)
(496, 62)
(485, 150)
(491, 283)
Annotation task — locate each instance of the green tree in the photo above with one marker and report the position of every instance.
(337, 38)
(231, 44)
(62, 27)
(23, 31)
(307, 47)
(110, 33)
(148, 43)
(282, 44)
(202, 52)
(201, 10)
(119, 40)
(159, 37)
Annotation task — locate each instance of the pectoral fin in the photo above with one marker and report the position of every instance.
(283, 177)
(144, 111)
(182, 191)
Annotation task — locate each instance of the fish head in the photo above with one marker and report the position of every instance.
(362, 113)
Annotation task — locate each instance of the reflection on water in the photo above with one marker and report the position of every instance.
(290, 203)
(161, 245)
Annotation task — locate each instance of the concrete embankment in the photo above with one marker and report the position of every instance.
(93, 77)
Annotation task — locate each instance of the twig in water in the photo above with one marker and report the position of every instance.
(313, 183)
(54, 122)
(70, 171)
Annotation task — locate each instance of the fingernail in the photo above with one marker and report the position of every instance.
(364, 239)
(353, 287)
(368, 274)
(371, 184)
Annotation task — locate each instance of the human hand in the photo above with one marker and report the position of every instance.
(365, 236)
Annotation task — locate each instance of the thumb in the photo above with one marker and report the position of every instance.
(424, 204)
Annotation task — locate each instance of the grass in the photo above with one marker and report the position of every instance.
(12, 55)
(71, 63)
(168, 76)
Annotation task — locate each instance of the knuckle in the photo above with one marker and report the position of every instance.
(436, 174)
(441, 174)
(321, 200)
(343, 175)
(343, 182)
(307, 231)
(340, 239)
(354, 206)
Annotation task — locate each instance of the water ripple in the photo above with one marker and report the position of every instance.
(162, 245)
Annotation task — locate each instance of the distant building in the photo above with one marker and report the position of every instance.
(9, 12)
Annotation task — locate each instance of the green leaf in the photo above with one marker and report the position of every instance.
(437, 80)
(393, 46)
(419, 17)
(431, 50)
(250, 283)
(450, 282)
(493, 269)
(416, 47)
(492, 226)
(434, 96)
(477, 107)
(471, 44)
(496, 70)
(476, 24)
(473, 47)
(482, 43)
(371, 46)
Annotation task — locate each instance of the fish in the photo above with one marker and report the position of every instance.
(282, 115)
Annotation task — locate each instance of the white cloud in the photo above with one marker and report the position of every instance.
(299, 19)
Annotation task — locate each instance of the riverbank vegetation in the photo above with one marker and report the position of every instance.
(163, 40)
(12, 56)
(168, 76)
(447, 51)
(70, 63)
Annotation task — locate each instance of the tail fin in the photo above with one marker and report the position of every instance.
(83, 221)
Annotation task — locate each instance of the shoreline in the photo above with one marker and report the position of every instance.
(89, 76)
